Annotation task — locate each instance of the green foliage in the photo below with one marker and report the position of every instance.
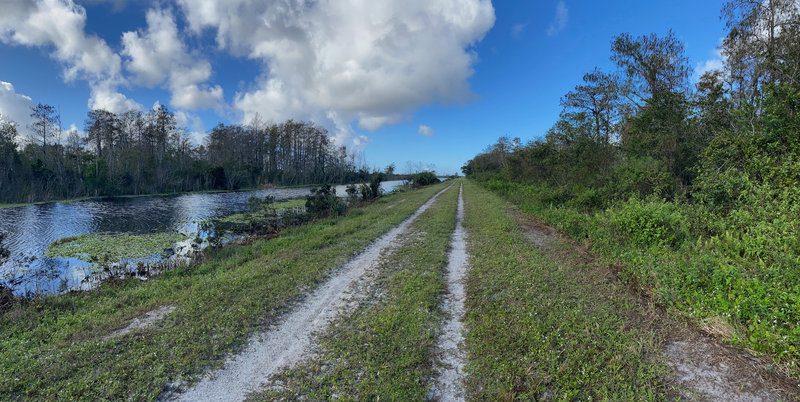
(352, 191)
(372, 190)
(425, 178)
(136, 152)
(587, 200)
(638, 176)
(649, 223)
(738, 266)
(323, 201)
(258, 204)
(701, 188)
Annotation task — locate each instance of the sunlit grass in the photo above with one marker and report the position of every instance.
(541, 324)
(51, 347)
(384, 350)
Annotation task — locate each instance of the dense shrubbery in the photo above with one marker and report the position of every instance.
(648, 223)
(697, 193)
(424, 178)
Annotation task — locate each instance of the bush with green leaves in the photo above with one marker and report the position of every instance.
(425, 178)
(372, 190)
(649, 222)
(323, 202)
(257, 204)
(638, 176)
(352, 191)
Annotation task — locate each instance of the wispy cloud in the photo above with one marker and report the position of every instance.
(560, 21)
(427, 131)
(518, 29)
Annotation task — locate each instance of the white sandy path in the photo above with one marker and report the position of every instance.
(288, 342)
(450, 384)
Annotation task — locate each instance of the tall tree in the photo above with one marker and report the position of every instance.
(599, 97)
(650, 65)
(762, 46)
(44, 124)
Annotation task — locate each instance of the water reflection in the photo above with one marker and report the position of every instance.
(32, 228)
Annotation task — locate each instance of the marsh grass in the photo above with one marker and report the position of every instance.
(51, 347)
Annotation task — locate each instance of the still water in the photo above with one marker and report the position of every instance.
(31, 229)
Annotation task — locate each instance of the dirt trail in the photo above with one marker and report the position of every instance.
(289, 341)
(702, 367)
(449, 386)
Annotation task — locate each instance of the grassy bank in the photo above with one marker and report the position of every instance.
(547, 325)
(385, 348)
(734, 275)
(54, 347)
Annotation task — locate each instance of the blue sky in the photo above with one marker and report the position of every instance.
(415, 83)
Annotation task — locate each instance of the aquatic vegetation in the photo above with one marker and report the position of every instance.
(107, 247)
(276, 207)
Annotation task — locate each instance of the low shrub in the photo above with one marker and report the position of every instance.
(587, 200)
(323, 202)
(372, 190)
(649, 223)
(421, 179)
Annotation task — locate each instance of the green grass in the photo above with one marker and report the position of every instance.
(99, 247)
(384, 350)
(51, 347)
(546, 324)
(738, 272)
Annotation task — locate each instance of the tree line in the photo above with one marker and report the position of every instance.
(139, 152)
(645, 130)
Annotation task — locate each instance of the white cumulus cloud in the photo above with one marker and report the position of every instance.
(15, 107)
(560, 20)
(58, 25)
(425, 130)
(158, 56)
(370, 62)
